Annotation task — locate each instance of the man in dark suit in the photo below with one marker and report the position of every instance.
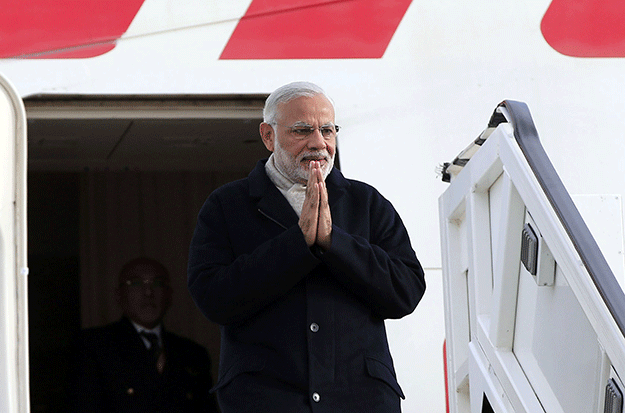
(135, 365)
(300, 267)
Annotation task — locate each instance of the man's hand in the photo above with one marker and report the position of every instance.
(309, 218)
(315, 219)
(324, 224)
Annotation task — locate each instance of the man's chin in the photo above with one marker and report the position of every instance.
(148, 322)
(303, 172)
(149, 318)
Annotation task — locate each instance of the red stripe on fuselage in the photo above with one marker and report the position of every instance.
(309, 29)
(63, 28)
(586, 28)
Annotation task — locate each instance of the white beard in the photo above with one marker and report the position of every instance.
(293, 167)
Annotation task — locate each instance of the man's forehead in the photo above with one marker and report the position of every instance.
(304, 108)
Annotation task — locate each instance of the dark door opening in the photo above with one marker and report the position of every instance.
(109, 179)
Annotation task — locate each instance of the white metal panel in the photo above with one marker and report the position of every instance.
(506, 260)
(551, 329)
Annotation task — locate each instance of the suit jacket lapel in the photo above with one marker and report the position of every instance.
(274, 205)
(337, 186)
(271, 202)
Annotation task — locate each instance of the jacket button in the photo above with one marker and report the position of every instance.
(316, 398)
(314, 327)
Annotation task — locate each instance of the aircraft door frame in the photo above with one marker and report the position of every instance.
(14, 380)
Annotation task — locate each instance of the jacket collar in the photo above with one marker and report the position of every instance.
(275, 206)
(337, 186)
(131, 336)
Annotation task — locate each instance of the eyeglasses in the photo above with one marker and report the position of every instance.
(304, 131)
(141, 282)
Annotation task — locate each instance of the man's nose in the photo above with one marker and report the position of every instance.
(316, 140)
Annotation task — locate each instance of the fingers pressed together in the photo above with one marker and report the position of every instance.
(315, 219)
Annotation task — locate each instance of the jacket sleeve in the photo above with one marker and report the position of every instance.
(229, 288)
(382, 270)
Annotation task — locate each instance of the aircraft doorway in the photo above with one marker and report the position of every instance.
(114, 178)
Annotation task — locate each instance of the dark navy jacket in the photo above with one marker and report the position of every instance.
(311, 320)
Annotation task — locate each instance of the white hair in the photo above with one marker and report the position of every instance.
(289, 92)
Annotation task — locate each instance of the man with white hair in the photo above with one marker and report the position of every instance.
(300, 267)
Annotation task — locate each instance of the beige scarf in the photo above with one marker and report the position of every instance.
(294, 192)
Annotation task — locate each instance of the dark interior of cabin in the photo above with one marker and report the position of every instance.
(111, 179)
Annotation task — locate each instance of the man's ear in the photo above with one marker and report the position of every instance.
(268, 135)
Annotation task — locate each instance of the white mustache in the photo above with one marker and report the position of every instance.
(315, 155)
